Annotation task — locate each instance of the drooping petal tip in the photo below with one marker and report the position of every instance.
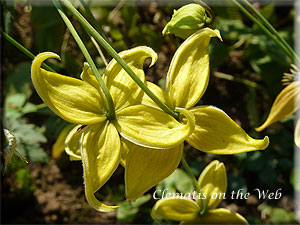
(216, 133)
(286, 103)
(71, 99)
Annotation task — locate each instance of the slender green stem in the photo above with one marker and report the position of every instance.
(99, 50)
(23, 49)
(115, 55)
(272, 29)
(94, 21)
(264, 29)
(97, 46)
(196, 184)
(237, 79)
(111, 107)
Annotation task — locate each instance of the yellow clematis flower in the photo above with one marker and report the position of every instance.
(213, 183)
(96, 137)
(214, 132)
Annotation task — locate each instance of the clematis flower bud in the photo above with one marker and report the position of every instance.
(186, 21)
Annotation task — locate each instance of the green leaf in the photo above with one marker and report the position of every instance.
(128, 210)
(19, 80)
(29, 137)
(48, 26)
(141, 200)
(177, 181)
(16, 100)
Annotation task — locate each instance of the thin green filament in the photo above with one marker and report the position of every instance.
(111, 115)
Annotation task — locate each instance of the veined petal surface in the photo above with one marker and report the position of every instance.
(213, 182)
(146, 167)
(124, 152)
(160, 93)
(219, 216)
(73, 100)
(88, 76)
(150, 127)
(177, 209)
(188, 74)
(72, 143)
(286, 103)
(100, 153)
(122, 87)
(215, 132)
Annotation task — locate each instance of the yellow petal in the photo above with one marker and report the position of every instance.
(146, 167)
(297, 134)
(218, 216)
(73, 100)
(176, 209)
(72, 143)
(100, 153)
(59, 146)
(88, 76)
(160, 93)
(124, 152)
(216, 133)
(286, 103)
(150, 127)
(213, 182)
(188, 74)
(123, 89)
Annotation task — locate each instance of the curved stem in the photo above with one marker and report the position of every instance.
(272, 29)
(195, 182)
(264, 29)
(94, 21)
(23, 49)
(111, 107)
(115, 55)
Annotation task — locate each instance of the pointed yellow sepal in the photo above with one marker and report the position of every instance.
(100, 155)
(150, 127)
(123, 89)
(146, 167)
(188, 74)
(213, 182)
(216, 133)
(73, 100)
(286, 103)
